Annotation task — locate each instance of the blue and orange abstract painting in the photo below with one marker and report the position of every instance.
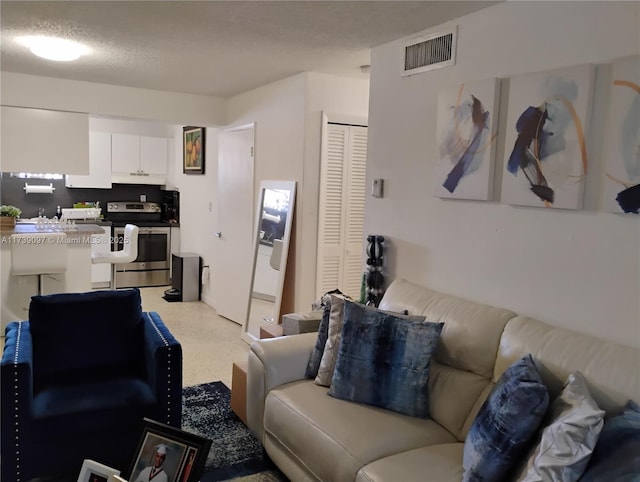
(622, 145)
(545, 146)
(466, 132)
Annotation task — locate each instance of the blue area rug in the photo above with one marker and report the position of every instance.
(235, 452)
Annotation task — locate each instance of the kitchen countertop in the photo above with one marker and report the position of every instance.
(28, 228)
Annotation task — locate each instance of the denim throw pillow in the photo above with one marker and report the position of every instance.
(318, 349)
(334, 336)
(568, 440)
(384, 360)
(617, 453)
(505, 423)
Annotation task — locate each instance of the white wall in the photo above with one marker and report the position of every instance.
(278, 112)
(575, 269)
(198, 206)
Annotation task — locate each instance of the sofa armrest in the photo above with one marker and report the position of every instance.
(163, 354)
(274, 362)
(16, 396)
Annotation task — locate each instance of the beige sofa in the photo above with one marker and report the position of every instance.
(312, 436)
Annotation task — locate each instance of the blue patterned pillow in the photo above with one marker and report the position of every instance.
(505, 423)
(617, 453)
(316, 355)
(384, 360)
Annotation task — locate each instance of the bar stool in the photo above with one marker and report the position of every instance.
(127, 254)
(38, 254)
(276, 254)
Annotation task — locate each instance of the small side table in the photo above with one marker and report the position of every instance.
(270, 331)
(239, 390)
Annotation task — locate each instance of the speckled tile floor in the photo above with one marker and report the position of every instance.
(210, 343)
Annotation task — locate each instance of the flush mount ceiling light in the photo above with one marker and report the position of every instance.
(53, 48)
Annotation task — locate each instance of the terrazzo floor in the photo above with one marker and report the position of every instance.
(210, 343)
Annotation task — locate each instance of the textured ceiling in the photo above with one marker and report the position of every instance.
(218, 48)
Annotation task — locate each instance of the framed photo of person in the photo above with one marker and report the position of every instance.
(168, 454)
(193, 150)
(93, 471)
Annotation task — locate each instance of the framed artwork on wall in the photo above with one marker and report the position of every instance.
(193, 139)
(545, 146)
(622, 141)
(467, 121)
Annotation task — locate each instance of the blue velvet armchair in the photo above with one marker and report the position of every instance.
(77, 380)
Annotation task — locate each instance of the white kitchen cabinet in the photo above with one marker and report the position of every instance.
(101, 272)
(38, 140)
(153, 155)
(139, 159)
(99, 164)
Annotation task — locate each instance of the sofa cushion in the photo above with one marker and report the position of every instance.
(617, 453)
(572, 426)
(318, 349)
(471, 332)
(442, 463)
(102, 328)
(334, 438)
(332, 345)
(384, 360)
(74, 399)
(611, 368)
(505, 423)
(460, 395)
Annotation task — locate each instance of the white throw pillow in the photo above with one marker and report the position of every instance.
(567, 442)
(332, 345)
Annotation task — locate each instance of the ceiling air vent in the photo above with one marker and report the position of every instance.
(429, 52)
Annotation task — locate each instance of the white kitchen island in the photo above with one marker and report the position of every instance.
(17, 290)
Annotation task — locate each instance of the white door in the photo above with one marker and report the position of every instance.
(341, 217)
(235, 223)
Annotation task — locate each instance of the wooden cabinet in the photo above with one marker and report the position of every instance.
(99, 164)
(139, 159)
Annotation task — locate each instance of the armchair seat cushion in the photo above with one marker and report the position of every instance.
(90, 397)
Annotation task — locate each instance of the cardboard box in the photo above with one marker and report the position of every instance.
(239, 390)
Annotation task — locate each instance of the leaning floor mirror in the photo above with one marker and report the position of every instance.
(274, 217)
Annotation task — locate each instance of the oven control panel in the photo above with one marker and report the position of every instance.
(133, 207)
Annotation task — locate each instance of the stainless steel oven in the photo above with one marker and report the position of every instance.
(151, 267)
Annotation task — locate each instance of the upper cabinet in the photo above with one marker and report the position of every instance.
(99, 164)
(139, 159)
(37, 140)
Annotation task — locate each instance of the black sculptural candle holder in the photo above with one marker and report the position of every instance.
(375, 279)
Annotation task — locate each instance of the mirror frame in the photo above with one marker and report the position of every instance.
(264, 185)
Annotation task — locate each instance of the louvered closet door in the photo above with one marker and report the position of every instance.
(341, 217)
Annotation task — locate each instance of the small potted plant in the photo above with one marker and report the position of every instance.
(8, 215)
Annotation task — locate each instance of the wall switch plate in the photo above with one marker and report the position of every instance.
(143, 198)
(377, 187)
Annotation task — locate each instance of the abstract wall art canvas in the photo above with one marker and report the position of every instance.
(465, 138)
(545, 147)
(621, 154)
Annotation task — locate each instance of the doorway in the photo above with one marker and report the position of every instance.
(234, 233)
